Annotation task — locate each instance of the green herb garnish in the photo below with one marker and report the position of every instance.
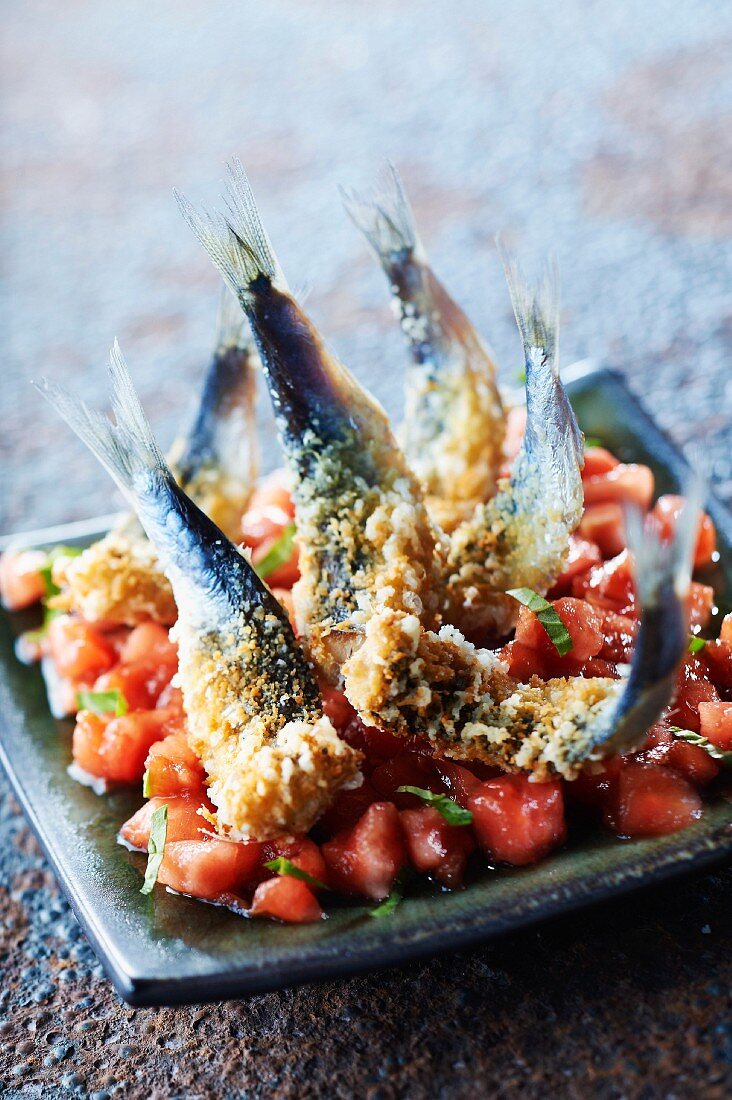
(724, 756)
(592, 441)
(388, 905)
(696, 644)
(547, 616)
(451, 811)
(279, 552)
(521, 376)
(146, 784)
(155, 847)
(46, 569)
(102, 702)
(282, 866)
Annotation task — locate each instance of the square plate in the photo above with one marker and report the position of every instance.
(168, 949)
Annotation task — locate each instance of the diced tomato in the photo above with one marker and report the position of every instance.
(598, 461)
(625, 482)
(434, 847)
(693, 687)
(336, 707)
(459, 781)
(691, 761)
(302, 851)
(346, 810)
(407, 769)
(79, 651)
(715, 720)
(150, 642)
(581, 557)
(651, 800)
(521, 661)
(618, 634)
(515, 428)
(284, 598)
(717, 656)
(287, 899)
(173, 768)
(209, 868)
(582, 623)
(285, 575)
(667, 510)
(366, 859)
(377, 745)
(725, 632)
(517, 821)
(115, 748)
(609, 586)
(603, 524)
(184, 821)
(140, 682)
(21, 583)
(172, 698)
(700, 602)
(270, 509)
(593, 786)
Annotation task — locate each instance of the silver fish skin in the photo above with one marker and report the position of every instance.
(351, 480)
(254, 712)
(520, 538)
(454, 423)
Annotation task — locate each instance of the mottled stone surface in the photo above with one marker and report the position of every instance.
(599, 130)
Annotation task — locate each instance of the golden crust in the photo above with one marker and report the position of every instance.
(118, 579)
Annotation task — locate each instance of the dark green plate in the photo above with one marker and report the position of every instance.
(167, 949)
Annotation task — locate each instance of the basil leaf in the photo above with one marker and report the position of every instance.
(278, 554)
(451, 811)
(46, 570)
(547, 616)
(388, 905)
(592, 441)
(146, 784)
(155, 847)
(282, 866)
(696, 644)
(102, 702)
(724, 756)
(521, 376)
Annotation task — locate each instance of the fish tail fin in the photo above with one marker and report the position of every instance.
(384, 216)
(236, 240)
(230, 322)
(536, 308)
(127, 447)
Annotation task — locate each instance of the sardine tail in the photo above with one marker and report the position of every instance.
(536, 308)
(384, 216)
(236, 241)
(230, 322)
(127, 447)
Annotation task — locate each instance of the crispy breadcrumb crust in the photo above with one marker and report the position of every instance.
(274, 761)
(412, 681)
(118, 578)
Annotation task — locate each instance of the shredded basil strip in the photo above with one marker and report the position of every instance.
(282, 866)
(592, 441)
(37, 635)
(155, 847)
(547, 616)
(696, 644)
(102, 702)
(521, 376)
(146, 784)
(450, 810)
(388, 905)
(724, 756)
(278, 554)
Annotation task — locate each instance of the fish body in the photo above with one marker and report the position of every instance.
(254, 712)
(454, 422)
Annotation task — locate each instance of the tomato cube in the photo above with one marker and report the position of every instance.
(336, 707)
(581, 557)
(651, 800)
(725, 632)
(184, 821)
(630, 483)
(582, 623)
(715, 721)
(459, 781)
(79, 651)
(302, 851)
(287, 899)
(21, 582)
(603, 525)
(115, 748)
(609, 586)
(407, 769)
(693, 687)
(667, 510)
(618, 636)
(691, 761)
(346, 809)
(210, 868)
(598, 461)
(517, 821)
(434, 847)
(140, 683)
(717, 656)
(173, 768)
(366, 859)
(150, 642)
(700, 602)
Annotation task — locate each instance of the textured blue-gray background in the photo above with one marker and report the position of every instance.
(600, 131)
